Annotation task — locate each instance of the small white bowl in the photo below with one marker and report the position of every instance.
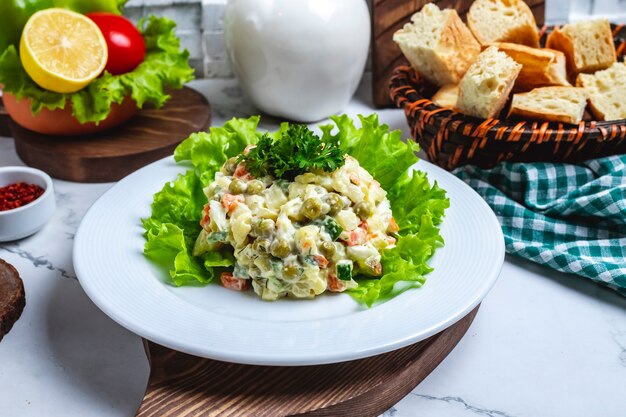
(23, 221)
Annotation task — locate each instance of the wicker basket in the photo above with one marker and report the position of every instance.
(452, 139)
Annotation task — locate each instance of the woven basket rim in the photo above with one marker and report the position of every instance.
(404, 93)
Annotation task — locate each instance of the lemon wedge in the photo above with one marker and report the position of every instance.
(61, 50)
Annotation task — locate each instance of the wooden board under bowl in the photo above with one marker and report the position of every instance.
(5, 129)
(182, 384)
(111, 155)
(389, 16)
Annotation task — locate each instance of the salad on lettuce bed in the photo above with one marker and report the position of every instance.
(165, 65)
(179, 209)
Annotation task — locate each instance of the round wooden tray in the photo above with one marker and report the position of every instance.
(109, 156)
(182, 384)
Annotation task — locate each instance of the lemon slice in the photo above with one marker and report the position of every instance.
(61, 50)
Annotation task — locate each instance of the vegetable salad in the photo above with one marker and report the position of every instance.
(291, 213)
(297, 238)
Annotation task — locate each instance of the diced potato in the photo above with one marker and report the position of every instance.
(347, 220)
(241, 224)
(275, 197)
(306, 239)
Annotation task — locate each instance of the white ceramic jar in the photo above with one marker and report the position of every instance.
(298, 59)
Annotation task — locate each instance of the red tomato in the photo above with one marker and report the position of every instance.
(127, 48)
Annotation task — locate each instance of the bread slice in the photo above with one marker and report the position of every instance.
(438, 45)
(588, 46)
(485, 87)
(503, 21)
(607, 92)
(552, 104)
(447, 96)
(540, 67)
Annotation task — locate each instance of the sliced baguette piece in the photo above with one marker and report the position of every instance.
(438, 45)
(447, 96)
(552, 104)
(503, 21)
(540, 67)
(607, 92)
(485, 87)
(588, 46)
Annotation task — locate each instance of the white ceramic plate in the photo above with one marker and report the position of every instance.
(222, 324)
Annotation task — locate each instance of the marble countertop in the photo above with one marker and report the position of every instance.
(543, 343)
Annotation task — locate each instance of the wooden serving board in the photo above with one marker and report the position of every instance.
(182, 384)
(389, 16)
(109, 156)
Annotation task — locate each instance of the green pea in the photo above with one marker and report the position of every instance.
(230, 165)
(363, 209)
(237, 186)
(290, 271)
(280, 249)
(335, 203)
(255, 187)
(312, 208)
(328, 249)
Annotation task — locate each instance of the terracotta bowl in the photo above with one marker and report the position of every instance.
(61, 122)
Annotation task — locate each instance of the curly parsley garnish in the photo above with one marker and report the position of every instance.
(299, 150)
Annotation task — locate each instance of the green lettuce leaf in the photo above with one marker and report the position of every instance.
(418, 207)
(174, 225)
(207, 152)
(165, 66)
(168, 246)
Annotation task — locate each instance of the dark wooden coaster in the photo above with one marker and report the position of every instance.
(182, 384)
(12, 298)
(389, 16)
(5, 129)
(111, 155)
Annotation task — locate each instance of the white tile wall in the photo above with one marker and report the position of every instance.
(201, 24)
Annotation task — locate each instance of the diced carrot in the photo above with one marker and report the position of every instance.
(230, 201)
(393, 226)
(242, 172)
(232, 283)
(364, 225)
(334, 284)
(358, 236)
(206, 216)
(355, 179)
(321, 261)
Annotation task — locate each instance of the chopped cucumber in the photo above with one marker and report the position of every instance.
(332, 228)
(240, 272)
(344, 270)
(218, 237)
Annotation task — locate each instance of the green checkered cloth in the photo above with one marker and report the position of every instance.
(569, 217)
